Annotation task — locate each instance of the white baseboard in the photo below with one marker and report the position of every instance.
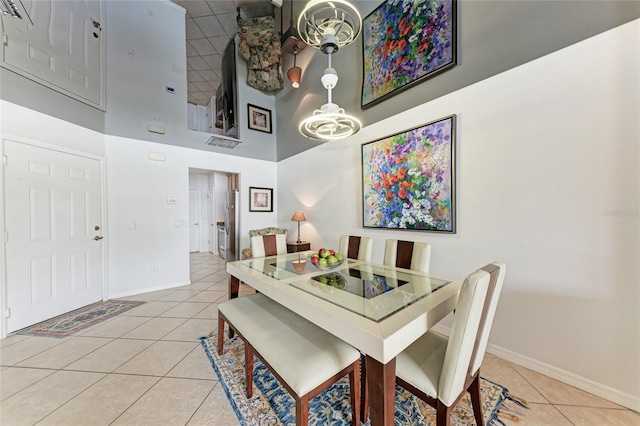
(603, 391)
(147, 290)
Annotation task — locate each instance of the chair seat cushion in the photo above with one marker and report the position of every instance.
(421, 363)
(303, 354)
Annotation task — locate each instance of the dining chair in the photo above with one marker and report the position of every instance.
(439, 370)
(247, 252)
(354, 247)
(407, 254)
(268, 245)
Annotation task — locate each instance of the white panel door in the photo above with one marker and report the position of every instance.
(54, 225)
(63, 49)
(194, 220)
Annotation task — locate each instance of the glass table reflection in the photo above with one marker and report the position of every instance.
(373, 291)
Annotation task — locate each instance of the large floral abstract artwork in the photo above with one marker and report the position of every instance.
(408, 179)
(406, 42)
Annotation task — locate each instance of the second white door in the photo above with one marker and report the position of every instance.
(54, 226)
(194, 220)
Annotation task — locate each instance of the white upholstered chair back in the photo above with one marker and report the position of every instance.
(356, 247)
(407, 254)
(464, 331)
(268, 245)
(496, 271)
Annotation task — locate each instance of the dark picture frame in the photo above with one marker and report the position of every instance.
(259, 118)
(403, 47)
(408, 179)
(260, 199)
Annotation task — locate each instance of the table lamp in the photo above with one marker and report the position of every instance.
(298, 217)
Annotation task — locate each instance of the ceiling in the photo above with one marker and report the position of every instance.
(210, 24)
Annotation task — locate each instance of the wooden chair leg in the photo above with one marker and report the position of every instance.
(474, 390)
(234, 289)
(364, 395)
(248, 369)
(443, 414)
(220, 334)
(354, 384)
(302, 411)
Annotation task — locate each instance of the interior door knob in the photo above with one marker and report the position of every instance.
(97, 238)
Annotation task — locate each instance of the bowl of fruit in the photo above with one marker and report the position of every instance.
(326, 259)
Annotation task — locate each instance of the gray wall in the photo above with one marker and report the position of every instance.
(493, 36)
(146, 52)
(29, 94)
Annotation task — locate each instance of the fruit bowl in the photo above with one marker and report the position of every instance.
(326, 259)
(326, 267)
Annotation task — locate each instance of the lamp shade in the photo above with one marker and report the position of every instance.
(298, 265)
(299, 217)
(294, 74)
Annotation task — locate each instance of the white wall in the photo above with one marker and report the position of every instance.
(138, 190)
(25, 125)
(546, 154)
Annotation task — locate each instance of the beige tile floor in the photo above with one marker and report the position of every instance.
(146, 367)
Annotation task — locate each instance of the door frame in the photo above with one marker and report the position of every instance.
(213, 226)
(3, 230)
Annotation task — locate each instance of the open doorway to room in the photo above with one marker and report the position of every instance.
(208, 192)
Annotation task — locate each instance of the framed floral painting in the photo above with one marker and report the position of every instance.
(408, 179)
(404, 43)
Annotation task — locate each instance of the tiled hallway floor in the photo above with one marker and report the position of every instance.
(146, 367)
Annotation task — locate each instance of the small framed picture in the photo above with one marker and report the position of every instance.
(260, 199)
(259, 118)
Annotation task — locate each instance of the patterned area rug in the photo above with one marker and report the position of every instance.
(271, 404)
(74, 321)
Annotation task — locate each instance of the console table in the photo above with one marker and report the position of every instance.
(294, 247)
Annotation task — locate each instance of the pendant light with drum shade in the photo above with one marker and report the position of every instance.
(328, 26)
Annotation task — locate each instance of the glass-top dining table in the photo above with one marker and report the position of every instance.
(378, 309)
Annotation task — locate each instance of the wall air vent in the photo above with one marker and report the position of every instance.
(14, 8)
(222, 141)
